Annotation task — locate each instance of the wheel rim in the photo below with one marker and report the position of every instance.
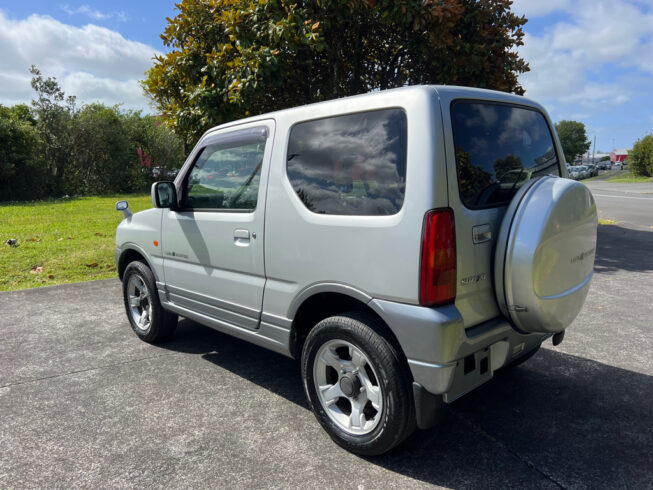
(140, 304)
(348, 387)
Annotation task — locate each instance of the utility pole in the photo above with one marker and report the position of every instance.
(594, 150)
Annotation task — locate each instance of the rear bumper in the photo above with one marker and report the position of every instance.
(444, 357)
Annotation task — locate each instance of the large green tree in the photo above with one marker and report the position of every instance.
(231, 58)
(640, 158)
(573, 139)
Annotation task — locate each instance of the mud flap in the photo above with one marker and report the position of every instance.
(429, 408)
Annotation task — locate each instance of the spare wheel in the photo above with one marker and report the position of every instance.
(544, 260)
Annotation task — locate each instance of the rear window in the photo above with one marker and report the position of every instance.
(353, 164)
(498, 148)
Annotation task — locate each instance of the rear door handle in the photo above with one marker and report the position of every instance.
(481, 233)
(241, 237)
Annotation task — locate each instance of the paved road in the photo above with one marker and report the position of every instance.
(83, 403)
(630, 204)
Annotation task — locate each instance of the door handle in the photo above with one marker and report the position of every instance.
(481, 233)
(241, 237)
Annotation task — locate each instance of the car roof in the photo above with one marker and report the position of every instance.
(448, 92)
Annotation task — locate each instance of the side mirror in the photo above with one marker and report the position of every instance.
(124, 207)
(164, 195)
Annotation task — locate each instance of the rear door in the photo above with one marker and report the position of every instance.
(493, 148)
(213, 243)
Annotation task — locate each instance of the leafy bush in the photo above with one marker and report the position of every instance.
(21, 173)
(55, 148)
(640, 158)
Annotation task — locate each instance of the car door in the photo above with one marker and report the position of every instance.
(213, 241)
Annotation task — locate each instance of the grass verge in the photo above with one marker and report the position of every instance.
(607, 221)
(628, 178)
(60, 241)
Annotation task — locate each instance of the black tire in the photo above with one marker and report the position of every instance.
(162, 323)
(397, 415)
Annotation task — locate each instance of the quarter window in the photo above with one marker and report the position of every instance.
(226, 176)
(350, 165)
(498, 148)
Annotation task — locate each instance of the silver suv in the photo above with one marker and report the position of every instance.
(405, 244)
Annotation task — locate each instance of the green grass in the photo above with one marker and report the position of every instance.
(596, 177)
(60, 241)
(628, 178)
(607, 221)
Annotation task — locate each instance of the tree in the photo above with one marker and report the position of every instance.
(54, 113)
(55, 148)
(504, 165)
(20, 173)
(101, 158)
(573, 139)
(154, 142)
(640, 158)
(229, 59)
(108, 149)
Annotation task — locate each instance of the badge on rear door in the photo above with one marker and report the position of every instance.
(476, 278)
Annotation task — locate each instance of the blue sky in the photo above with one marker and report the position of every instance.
(591, 60)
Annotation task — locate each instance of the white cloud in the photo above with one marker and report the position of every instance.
(596, 36)
(91, 62)
(94, 14)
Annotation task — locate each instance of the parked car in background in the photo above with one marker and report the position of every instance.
(574, 172)
(404, 244)
(161, 173)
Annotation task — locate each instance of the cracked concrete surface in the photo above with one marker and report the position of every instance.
(84, 403)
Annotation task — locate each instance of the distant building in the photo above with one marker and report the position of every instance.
(594, 159)
(619, 155)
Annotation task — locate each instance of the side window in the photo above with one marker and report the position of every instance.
(498, 148)
(225, 176)
(350, 165)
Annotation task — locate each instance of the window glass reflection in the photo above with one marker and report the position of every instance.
(498, 148)
(350, 165)
(226, 177)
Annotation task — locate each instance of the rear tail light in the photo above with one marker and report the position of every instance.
(437, 285)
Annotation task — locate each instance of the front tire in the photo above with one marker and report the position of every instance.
(357, 384)
(146, 316)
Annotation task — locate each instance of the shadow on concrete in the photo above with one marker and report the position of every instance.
(570, 420)
(274, 372)
(580, 423)
(620, 248)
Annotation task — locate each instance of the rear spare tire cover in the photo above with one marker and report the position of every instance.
(544, 260)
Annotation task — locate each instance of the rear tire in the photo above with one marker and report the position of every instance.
(146, 316)
(357, 384)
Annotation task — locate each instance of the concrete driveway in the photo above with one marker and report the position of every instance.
(84, 403)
